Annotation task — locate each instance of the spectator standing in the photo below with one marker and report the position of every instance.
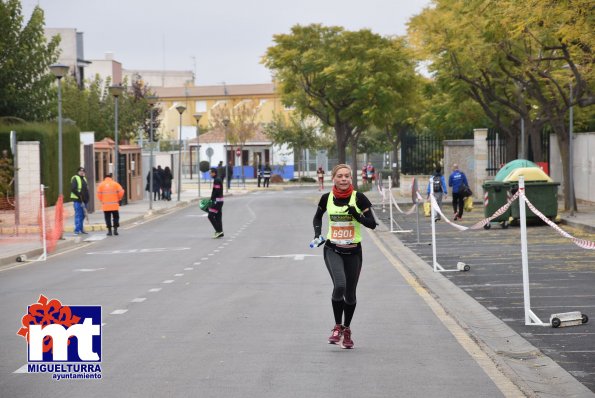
(80, 197)
(439, 188)
(259, 173)
(229, 174)
(156, 183)
(266, 174)
(110, 193)
(161, 186)
(457, 181)
(221, 171)
(166, 182)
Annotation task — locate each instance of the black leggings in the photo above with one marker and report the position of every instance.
(344, 270)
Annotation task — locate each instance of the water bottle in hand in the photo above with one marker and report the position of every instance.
(316, 242)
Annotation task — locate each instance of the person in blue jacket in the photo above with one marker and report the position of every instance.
(440, 190)
(457, 181)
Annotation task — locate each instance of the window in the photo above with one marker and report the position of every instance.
(200, 106)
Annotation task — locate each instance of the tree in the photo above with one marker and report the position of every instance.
(511, 59)
(25, 56)
(242, 123)
(299, 134)
(346, 79)
(92, 108)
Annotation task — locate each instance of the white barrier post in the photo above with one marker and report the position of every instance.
(530, 317)
(390, 201)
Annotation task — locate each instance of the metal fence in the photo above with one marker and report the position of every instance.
(420, 154)
(496, 151)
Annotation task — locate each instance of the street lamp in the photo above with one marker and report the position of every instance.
(151, 101)
(116, 91)
(197, 116)
(59, 71)
(180, 109)
(571, 154)
(226, 123)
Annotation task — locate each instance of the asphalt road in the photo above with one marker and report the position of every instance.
(561, 275)
(247, 315)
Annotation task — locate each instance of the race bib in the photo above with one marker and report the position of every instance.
(342, 233)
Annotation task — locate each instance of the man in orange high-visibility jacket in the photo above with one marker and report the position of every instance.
(110, 193)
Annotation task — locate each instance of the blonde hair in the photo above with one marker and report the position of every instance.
(341, 166)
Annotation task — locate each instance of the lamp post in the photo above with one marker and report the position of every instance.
(180, 109)
(197, 116)
(151, 101)
(116, 91)
(225, 124)
(59, 71)
(571, 154)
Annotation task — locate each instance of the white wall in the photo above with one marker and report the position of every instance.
(583, 165)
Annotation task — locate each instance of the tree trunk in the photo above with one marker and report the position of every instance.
(396, 175)
(342, 133)
(354, 161)
(562, 138)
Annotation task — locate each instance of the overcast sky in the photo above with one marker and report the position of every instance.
(222, 41)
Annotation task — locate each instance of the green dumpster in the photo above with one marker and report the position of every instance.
(495, 195)
(540, 190)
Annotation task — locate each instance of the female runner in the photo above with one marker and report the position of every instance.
(347, 209)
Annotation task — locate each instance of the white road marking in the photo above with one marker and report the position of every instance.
(88, 269)
(210, 254)
(297, 257)
(155, 290)
(142, 251)
(178, 274)
(138, 300)
(95, 237)
(196, 264)
(204, 258)
(216, 250)
(168, 281)
(118, 312)
(188, 269)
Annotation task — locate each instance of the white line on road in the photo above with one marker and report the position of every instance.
(138, 300)
(155, 290)
(204, 258)
(210, 254)
(88, 269)
(196, 264)
(178, 274)
(216, 250)
(188, 268)
(118, 312)
(168, 281)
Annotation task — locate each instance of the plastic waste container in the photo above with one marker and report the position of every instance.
(512, 165)
(495, 195)
(540, 190)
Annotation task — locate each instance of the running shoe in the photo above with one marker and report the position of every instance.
(218, 235)
(347, 343)
(336, 335)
